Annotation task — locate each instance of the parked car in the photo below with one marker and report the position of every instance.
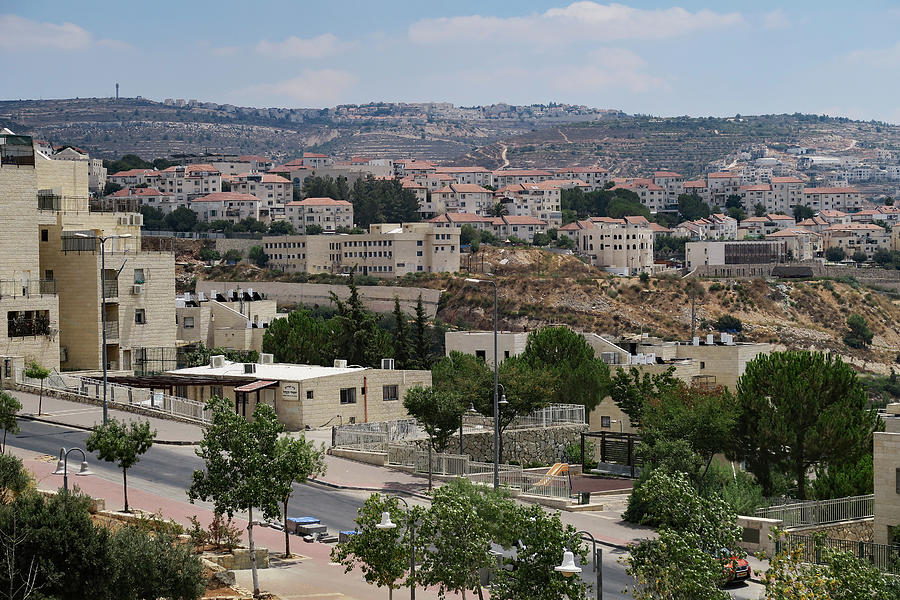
(734, 567)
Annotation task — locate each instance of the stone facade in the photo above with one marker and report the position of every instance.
(860, 530)
(887, 485)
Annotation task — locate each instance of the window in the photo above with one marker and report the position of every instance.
(390, 393)
(45, 235)
(309, 394)
(140, 316)
(348, 395)
(189, 322)
(215, 390)
(702, 365)
(480, 354)
(605, 422)
(48, 274)
(139, 276)
(506, 354)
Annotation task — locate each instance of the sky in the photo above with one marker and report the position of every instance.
(706, 58)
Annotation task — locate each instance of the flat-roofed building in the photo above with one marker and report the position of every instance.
(727, 252)
(327, 213)
(834, 198)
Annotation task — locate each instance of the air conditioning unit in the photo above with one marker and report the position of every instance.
(340, 364)
(265, 359)
(249, 368)
(217, 361)
(138, 289)
(387, 363)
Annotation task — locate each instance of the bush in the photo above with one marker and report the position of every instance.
(860, 257)
(835, 254)
(859, 335)
(716, 286)
(258, 256)
(644, 277)
(233, 255)
(314, 229)
(729, 323)
(14, 478)
(209, 254)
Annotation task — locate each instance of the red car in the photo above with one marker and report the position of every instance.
(734, 567)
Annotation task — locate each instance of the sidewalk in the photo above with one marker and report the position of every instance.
(85, 416)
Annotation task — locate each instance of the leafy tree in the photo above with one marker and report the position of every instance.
(382, 554)
(401, 337)
(883, 257)
(835, 254)
(674, 566)
(541, 536)
(383, 201)
(667, 246)
(842, 479)
(326, 187)
(208, 254)
(154, 218)
(314, 229)
(123, 444)
(466, 375)
(9, 408)
(111, 188)
(799, 410)
(631, 389)
(859, 335)
(296, 460)
(580, 377)
(14, 478)
(421, 337)
(860, 257)
(619, 207)
(181, 219)
(233, 255)
(199, 355)
(729, 323)
(258, 256)
(281, 228)
(437, 411)
(499, 210)
(238, 456)
(300, 338)
(691, 207)
(759, 210)
(565, 242)
(802, 212)
(36, 371)
(527, 390)
(541, 239)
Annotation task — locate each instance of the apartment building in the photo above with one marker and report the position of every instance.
(727, 252)
(470, 175)
(327, 213)
(595, 177)
(131, 177)
(304, 395)
(522, 227)
(387, 250)
(228, 206)
(800, 244)
(507, 177)
(272, 190)
(28, 301)
(887, 484)
(651, 195)
(464, 198)
(721, 185)
(186, 183)
(757, 194)
(313, 160)
(787, 192)
(855, 237)
(834, 198)
(541, 200)
(434, 181)
(234, 318)
(766, 224)
(452, 220)
(698, 188)
(716, 226)
(672, 183)
(243, 164)
(148, 197)
(96, 170)
(410, 167)
(613, 244)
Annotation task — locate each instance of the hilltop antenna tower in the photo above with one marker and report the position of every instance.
(117, 90)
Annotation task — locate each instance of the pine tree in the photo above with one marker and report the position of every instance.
(401, 336)
(421, 338)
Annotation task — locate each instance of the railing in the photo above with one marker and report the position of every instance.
(884, 557)
(147, 399)
(550, 416)
(112, 329)
(368, 436)
(821, 512)
(111, 288)
(11, 288)
(369, 441)
(527, 482)
(49, 202)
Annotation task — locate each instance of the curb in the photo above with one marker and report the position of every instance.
(338, 486)
(84, 428)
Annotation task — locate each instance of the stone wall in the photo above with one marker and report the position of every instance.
(859, 530)
(223, 245)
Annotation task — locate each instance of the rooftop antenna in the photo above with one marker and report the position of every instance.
(117, 90)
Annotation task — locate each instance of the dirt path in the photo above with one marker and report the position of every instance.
(503, 155)
(564, 136)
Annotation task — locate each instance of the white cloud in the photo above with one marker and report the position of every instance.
(876, 57)
(21, 34)
(312, 88)
(577, 21)
(775, 19)
(320, 46)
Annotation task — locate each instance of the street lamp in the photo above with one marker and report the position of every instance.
(496, 386)
(103, 239)
(569, 568)
(386, 523)
(469, 411)
(62, 466)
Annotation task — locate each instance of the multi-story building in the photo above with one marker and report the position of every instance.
(613, 244)
(242, 164)
(272, 190)
(651, 195)
(434, 181)
(386, 250)
(410, 167)
(147, 197)
(541, 200)
(224, 319)
(698, 188)
(728, 252)
(721, 185)
(766, 224)
(96, 170)
(507, 177)
(522, 227)
(856, 237)
(886, 459)
(131, 177)
(595, 177)
(228, 206)
(835, 198)
(672, 183)
(787, 192)
(313, 160)
(800, 244)
(757, 194)
(327, 213)
(464, 198)
(716, 226)
(471, 175)
(186, 183)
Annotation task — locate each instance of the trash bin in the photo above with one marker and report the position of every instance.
(584, 498)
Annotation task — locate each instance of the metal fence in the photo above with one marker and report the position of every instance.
(87, 387)
(375, 437)
(17, 288)
(550, 416)
(820, 512)
(884, 557)
(528, 482)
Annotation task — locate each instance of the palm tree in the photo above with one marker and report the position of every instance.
(499, 210)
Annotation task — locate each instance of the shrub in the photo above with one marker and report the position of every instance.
(208, 254)
(716, 287)
(729, 323)
(859, 335)
(644, 277)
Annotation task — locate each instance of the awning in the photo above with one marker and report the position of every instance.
(256, 385)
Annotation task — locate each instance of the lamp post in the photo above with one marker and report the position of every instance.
(386, 523)
(103, 239)
(469, 411)
(496, 386)
(62, 466)
(569, 568)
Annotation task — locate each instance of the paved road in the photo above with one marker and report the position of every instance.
(166, 471)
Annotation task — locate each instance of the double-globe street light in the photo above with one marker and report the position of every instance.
(569, 568)
(496, 386)
(62, 466)
(386, 523)
(102, 239)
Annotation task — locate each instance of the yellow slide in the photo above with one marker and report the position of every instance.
(557, 469)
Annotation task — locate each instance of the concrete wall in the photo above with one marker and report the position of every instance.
(725, 363)
(376, 298)
(223, 245)
(887, 485)
(756, 533)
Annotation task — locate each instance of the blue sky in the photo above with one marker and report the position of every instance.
(657, 57)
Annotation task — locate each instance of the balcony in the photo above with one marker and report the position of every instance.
(111, 289)
(112, 328)
(49, 202)
(11, 288)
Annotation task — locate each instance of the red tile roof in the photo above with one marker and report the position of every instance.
(666, 174)
(789, 179)
(128, 192)
(831, 190)
(722, 175)
(227, 197)
(319, 202)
